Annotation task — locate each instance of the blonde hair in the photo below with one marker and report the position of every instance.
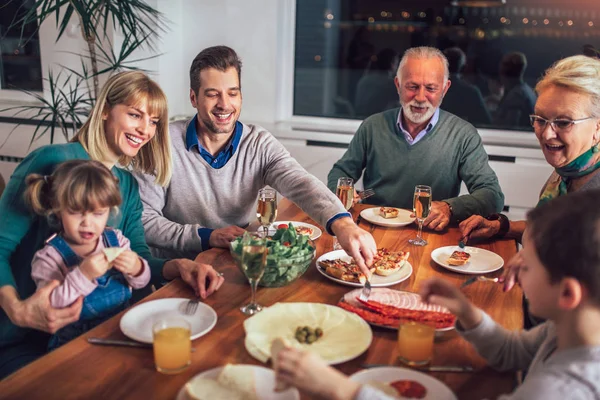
(75, 185)
(132, 88)
(423, 52)
(578, 73)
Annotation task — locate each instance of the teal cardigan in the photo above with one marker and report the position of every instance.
(22, 233)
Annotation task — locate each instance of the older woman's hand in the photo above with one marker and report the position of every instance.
(203, 278)
(478, 227)
(36, 311)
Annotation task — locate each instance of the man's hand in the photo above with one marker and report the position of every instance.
(356, 198)
(439, 216)
(197, 275)
(478, 227)
(223, 236)
(358, 243)
(36, 312)
(441, 292)
(511, 271)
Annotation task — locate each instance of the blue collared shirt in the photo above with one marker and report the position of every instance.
(420, 135)
(216, 162)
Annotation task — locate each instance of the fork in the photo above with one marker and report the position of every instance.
(366, 193)
(479, 278)
(190, 307)
(366, 292)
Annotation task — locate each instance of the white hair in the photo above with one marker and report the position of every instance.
(423, 52)
(577, 73)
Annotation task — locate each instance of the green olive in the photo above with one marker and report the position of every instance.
(319, 332)
(311, 339)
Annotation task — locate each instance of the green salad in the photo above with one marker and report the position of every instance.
(289, 256)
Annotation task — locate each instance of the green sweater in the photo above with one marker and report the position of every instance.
(450, 153)
(22, 233)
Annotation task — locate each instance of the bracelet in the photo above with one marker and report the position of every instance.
(504, 225)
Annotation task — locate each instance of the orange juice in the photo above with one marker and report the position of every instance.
(415, 343)
(172, 349)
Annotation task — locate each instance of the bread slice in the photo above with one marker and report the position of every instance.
(240, 378)
(112, 253)
(458, 258)
(390, 262)
(276, 346)
(388, 212)
(210, 389)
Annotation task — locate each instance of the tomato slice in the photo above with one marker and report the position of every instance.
(282, 226)
(287, 244)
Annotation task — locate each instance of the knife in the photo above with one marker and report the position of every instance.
(433, 368)
(468, 282)
(114, 342)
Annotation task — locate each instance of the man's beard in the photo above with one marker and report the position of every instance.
(213, 128)
(418, 118)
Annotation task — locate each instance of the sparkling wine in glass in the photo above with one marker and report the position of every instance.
(421, 208)
(253, 262)
(344, 192)
(266, 211)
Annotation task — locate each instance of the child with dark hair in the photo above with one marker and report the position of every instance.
(79, 198)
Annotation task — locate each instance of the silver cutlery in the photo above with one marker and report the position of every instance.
(124, 343)
(366, 193)
(366, 292)
(479, 278)
(432, 368)
(190, 307)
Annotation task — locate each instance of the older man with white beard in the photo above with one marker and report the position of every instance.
(420, 144)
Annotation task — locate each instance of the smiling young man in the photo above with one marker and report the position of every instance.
(220, 164)
(420, 144)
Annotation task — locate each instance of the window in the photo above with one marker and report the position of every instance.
(347, 53)
(20, 66)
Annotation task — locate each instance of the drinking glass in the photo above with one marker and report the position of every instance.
(266, 211)
(421, 208)
(253, 262)
(172, 345)
(415, 343)
(344, 192)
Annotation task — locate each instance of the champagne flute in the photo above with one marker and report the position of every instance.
(253, 262)
(421, 208)
(266, 211)
(344, 192)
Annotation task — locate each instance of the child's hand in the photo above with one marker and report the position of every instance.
(309, 373)
(94, 266)
(441, 292)
(128, 263)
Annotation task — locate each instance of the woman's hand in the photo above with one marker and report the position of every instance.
(203, 278)
(36, 311)
(511, 271)
(309, 373)
(128, 263)
(441, 292)
(478, 227)
(94, 266)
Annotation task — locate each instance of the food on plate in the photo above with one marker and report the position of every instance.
(233, 383)
(385, 263)
(409, 389)
(389, 212)
(300, 230)
(458, 258)
(385, 388)
(276, 346)
(112, 253)
(308, 335)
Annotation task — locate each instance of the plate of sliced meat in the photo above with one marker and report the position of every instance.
(388, 308)
(470, 260)
(389, 268)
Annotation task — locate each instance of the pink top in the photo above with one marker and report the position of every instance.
(48, 265)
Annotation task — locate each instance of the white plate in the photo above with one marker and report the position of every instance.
(436, 390)
(265, 382)
(316, 231)
(376, 280)
(481, 261)
(137, 322)
(372, 215)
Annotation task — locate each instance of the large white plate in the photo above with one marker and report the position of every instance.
(265, 382)
(372, 215)
(345, 334)
(436, 390)
(316, 231)
(137, 323)
(481, 261)
(376, 280)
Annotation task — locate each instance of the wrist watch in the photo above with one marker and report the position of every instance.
(504, 224)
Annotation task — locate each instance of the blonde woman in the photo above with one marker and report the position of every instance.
(566, 121)
(128, 127)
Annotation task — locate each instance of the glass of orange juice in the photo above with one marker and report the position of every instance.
(415, 343)
(172, 345)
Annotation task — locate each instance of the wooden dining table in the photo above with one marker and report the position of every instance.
(79, 370)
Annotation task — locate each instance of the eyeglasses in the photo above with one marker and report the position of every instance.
(558, 125)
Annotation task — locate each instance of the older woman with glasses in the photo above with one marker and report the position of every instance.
(567, 125)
